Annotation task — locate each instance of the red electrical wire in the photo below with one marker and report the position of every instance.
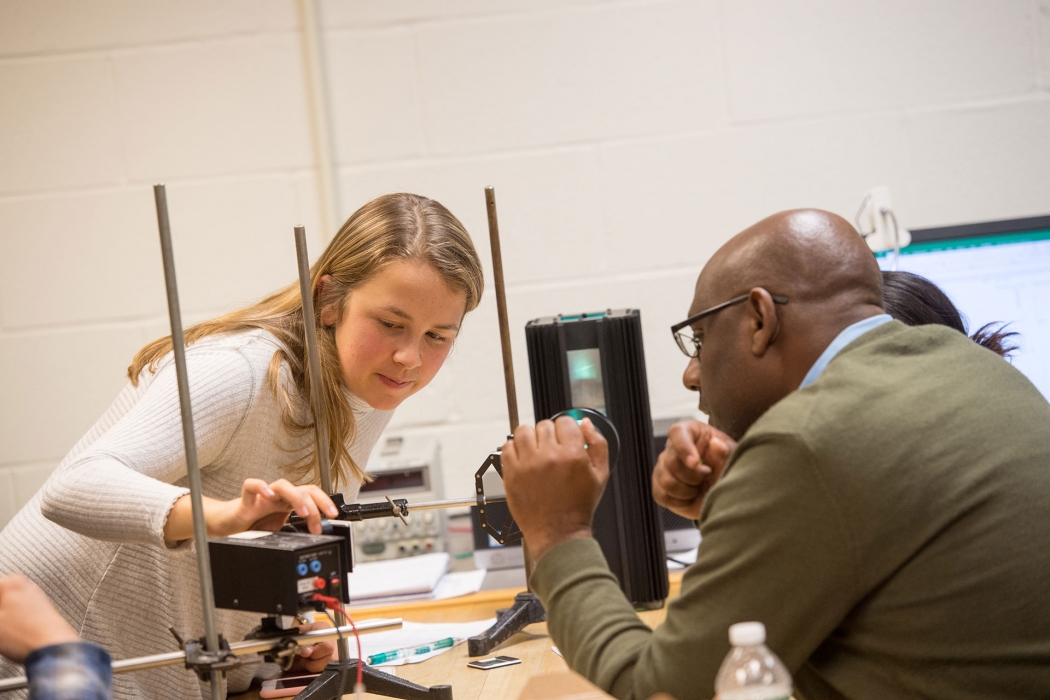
(333, 603)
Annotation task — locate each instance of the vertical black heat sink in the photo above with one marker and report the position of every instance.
(626, 523)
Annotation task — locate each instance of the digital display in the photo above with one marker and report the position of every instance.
(585, 379)
(393, 481)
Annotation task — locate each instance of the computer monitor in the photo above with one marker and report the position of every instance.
(992, 271)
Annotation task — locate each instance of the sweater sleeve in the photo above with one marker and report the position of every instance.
(122, 486)
(776, 549)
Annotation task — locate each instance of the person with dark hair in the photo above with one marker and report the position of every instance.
(916, 301)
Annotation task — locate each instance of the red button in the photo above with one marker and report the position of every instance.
(320, 583)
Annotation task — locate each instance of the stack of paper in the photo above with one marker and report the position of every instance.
(397, 578)
(394, 581)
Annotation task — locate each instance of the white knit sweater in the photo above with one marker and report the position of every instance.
(92, 537)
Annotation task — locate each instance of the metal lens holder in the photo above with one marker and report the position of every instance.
(508, 532)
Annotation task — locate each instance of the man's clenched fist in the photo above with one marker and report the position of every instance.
(689, 466)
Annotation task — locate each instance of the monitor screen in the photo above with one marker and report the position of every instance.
(992, 274)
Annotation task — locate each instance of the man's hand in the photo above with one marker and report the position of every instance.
(27, 619)
(554, 475)
(689, 466)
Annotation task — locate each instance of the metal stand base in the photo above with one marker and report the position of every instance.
(526, 610)
(326, 685)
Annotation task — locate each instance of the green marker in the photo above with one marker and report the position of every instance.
(411, 651)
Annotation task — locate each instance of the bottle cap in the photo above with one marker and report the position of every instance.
(744, 634)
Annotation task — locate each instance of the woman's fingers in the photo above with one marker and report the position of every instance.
(267, 503)
(256, 487)
(309, 502)
(322, 499)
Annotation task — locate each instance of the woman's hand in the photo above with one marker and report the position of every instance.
(312, 659)
(261, 506)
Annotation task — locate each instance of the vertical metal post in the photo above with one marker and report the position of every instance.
(504, 335)
(200, 531)
(313, 361)
(501, 308)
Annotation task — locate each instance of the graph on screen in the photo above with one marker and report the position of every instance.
(1003, 277)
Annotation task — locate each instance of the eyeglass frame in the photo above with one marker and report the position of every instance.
(681, 339)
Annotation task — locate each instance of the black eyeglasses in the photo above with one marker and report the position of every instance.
(689, 344)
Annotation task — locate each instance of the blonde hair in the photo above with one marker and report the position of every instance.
(394, 227)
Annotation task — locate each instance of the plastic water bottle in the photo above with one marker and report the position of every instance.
(750, 670)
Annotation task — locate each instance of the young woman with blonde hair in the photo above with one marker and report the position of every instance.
(108, 537)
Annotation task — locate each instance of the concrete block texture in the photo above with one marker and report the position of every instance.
(79, 258)
(237, 105)
(336, 13)
(963, 159)
(570, 75)
(810, 57)
(56, 385)
(374, 95)
(725, 181)
(233, 241)
(59, 124)
(550, 227)
(46, 26)
(9, 505)
(1044, 45)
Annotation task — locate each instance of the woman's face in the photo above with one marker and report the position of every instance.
(395, 332)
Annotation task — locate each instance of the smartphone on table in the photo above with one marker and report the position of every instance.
(286, 687)
(494, 662)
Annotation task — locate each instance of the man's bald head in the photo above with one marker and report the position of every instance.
(804, 254)
(757, 352)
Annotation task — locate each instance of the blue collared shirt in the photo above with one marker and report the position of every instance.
(70, 671)
(847, 336)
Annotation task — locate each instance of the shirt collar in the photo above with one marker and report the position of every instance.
(847, 336)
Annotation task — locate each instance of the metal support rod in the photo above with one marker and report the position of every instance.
(200, 531)
(501, 308)
(243, 648)
(313, 361)
(504, 335)
(453, 503)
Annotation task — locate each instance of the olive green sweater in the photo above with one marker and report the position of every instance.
(889, 524)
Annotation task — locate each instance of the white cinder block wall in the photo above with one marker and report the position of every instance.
(626, 140)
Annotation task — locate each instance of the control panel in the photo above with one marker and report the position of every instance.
(402, 466)
(276, 573)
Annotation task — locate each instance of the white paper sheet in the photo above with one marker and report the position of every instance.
(417, 634)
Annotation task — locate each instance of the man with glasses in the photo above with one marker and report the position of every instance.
(884, 512)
